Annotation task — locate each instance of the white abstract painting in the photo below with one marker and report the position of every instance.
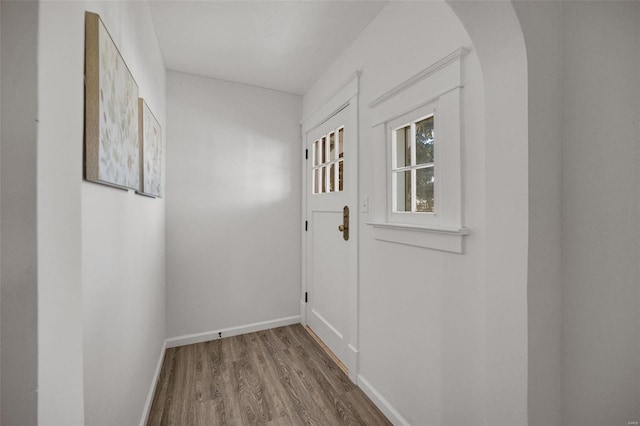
(151, 150)
(112, 140)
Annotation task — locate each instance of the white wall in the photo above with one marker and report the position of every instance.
(544, 59)
(233, 204)
(102, 288)
(18, 383)
(499, 43)
(0, 208)
(421, 311)
(600, 212)
(584, 359)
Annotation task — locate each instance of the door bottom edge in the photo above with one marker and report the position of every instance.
(328, 351)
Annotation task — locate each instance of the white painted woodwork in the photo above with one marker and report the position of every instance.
(189, 339)
(153, 386)
(328, 259)
(436, 90)
(381, 402)
(338, 109)
(428, 236)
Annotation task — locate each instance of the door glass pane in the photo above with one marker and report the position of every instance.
(332, 178)
(424, 190)
(403, 191)
(316, 157)
(328, 173)
(315, 180)
(324, 150)
(424, 141)
(332, 146)
(403, 147)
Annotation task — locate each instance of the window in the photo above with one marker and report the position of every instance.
(418, 123)
(415, 169)
(413, 166)
(328, 163)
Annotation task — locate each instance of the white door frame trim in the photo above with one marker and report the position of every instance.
(346, 95)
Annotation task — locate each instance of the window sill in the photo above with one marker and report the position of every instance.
(441, 238)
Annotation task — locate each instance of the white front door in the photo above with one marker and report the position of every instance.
(329, 261)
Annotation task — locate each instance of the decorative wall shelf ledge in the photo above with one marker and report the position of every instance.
(434, 237)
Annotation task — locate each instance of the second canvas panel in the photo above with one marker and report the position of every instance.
(150, 151)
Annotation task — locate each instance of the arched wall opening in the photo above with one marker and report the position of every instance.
(499, 42)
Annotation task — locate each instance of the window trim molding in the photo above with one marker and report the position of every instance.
(440, 84)
(415, 218)
(443, 238)
(430, 70)
(333, 104)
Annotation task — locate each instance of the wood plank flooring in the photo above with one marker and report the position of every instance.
(274, 377)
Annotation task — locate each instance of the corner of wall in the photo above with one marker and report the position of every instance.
(18, 213)
(61, 388)
(0, 204)
(544, 284)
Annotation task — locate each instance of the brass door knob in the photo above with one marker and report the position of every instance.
(344, 228)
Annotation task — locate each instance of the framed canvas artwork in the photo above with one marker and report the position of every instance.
(111, 112)
(150, 151)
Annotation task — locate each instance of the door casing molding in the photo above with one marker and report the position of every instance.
(345, 96)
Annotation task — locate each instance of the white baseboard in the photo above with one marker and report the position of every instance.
(303, 312)
(152, 390)
(189, 339)
(380, 402)
(353, 363)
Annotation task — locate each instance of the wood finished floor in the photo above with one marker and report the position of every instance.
(274, 377)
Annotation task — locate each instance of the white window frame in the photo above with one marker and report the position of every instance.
(410, 119)
(436, 90)
(318, 165)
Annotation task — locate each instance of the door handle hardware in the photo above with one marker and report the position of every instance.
(344, 228)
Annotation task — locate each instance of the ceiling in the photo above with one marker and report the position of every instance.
(280, 45)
